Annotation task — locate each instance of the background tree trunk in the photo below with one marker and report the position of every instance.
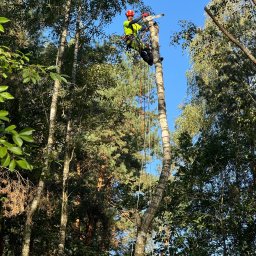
(68, 156)
(49, 147)
(158, 193)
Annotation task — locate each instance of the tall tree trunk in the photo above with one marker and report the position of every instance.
(149, 215)
(50, 142)
(64, 206)
(67, 158)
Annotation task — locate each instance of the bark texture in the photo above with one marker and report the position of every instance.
(49, 148)
(68, 148)
(64, 204)
(149, 215)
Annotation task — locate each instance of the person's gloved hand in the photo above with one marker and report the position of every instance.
(145, 14)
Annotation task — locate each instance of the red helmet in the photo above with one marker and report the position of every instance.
(129, 13)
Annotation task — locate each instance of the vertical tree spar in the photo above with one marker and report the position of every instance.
(149, 215)
(69, 142)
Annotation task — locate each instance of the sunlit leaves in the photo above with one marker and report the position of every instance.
(56, 76)
(3, 20)
(3, 152)
(30, 75)
(17, 140)
(3, 115)
(24, 164)
(11, 141)
(4, 95)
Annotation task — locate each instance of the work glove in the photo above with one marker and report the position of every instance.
(145, 14)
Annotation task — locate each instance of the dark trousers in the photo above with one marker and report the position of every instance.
(144, 51)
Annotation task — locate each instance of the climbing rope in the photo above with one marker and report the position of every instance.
(145, 103)
(142, 115)
(149, 133)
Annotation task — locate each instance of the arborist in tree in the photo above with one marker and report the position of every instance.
(131, 29)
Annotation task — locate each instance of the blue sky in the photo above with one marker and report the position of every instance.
(176, 62)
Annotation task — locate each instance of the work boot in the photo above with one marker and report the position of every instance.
(146, 58)
(149, 56)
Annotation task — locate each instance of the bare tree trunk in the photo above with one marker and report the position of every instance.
(49, 147)
(68, 154)
(149, 215)
(77, 42)
(64, 206)
(245, 50)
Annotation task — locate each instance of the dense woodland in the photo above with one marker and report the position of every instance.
(80, 132)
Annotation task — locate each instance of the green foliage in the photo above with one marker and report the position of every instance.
(186, 35)
(12, 141)
(3, 20)
(11, 152)
(190, 121)
(212, 196)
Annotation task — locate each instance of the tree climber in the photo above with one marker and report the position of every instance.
(131, 29)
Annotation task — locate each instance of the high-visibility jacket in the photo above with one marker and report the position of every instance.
(131, 29)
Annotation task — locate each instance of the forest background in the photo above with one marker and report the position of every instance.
(80, 131)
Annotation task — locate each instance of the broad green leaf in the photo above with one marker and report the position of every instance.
(5, 118)
(25, 58)
(24, 164)
(6, 143)
(6, 95)
(3, 152)
(17, 140)
(4, 20)
(26, 80)
(33, 80)
(26, 73)
(51, 68)
(10, 128)
(12, 165)
(6, 161)
(27, 138)
(3, 88)
(53, 76)
(3, 113)
(26, 131)
(1, 28)
(16, 150)
(64, 79)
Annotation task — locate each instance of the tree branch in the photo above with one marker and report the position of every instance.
(254, 1)
(246, 51)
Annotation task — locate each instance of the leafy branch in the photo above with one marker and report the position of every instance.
(247, 52)
(11, 140)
